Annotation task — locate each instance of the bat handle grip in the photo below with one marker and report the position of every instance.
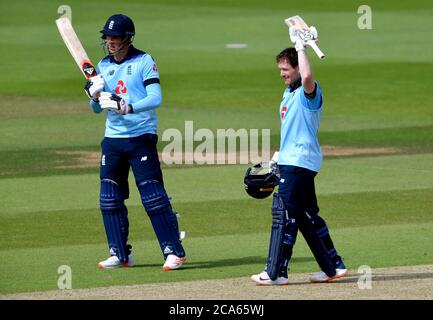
(316, 49)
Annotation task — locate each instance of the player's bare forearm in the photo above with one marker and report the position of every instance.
(305, 71)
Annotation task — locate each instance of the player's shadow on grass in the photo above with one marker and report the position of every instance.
(236, 262)
(225, 262)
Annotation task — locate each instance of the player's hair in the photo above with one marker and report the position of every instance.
(290, 55)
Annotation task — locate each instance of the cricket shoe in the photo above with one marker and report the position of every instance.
(173, 262)
(321, 276)
(113, 262)
(340, 264)
(264, 280)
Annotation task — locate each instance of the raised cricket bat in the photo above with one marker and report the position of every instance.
(304, 33)
(75, 47)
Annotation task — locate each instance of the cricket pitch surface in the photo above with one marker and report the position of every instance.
(394, 283)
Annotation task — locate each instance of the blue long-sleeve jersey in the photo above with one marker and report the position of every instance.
(136, 80)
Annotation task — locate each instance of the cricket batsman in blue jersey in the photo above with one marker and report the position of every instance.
(128, 89)
(298, 162)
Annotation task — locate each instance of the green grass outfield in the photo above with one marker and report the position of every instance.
(377, 86)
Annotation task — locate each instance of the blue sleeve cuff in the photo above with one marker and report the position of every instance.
(96, 107)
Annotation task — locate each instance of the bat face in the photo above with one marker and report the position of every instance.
(75, 47)
(300, 26)
(296, 22)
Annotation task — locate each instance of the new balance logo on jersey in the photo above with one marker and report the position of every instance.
(129, 70)
(144, 158)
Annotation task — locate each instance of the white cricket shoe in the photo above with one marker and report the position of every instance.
(173, 262)
(264, 280)
(113, 262)
(321, 276)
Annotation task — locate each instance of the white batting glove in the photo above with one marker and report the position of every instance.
(300, 45)
(109, 101)
(296, 39)
(293, 34)
(94, 86)
(314, 33)
(301, 38)
(273, 163)
(310, 34)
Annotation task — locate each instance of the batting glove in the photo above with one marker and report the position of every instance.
(301, 38)
(94, 86)
(296, 39)
(293, 34)
(113, 102)
(273, 164)
(314, 33)
(308, 35)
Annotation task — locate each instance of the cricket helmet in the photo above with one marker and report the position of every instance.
(259, 182)
(118, 25)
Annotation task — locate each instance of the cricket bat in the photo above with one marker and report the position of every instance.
(75, 47)
(304, 33)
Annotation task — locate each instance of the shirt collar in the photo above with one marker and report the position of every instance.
(295, 85)
(131, 53)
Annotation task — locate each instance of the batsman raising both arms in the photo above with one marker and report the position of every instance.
(299, 160)
(127, 87)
